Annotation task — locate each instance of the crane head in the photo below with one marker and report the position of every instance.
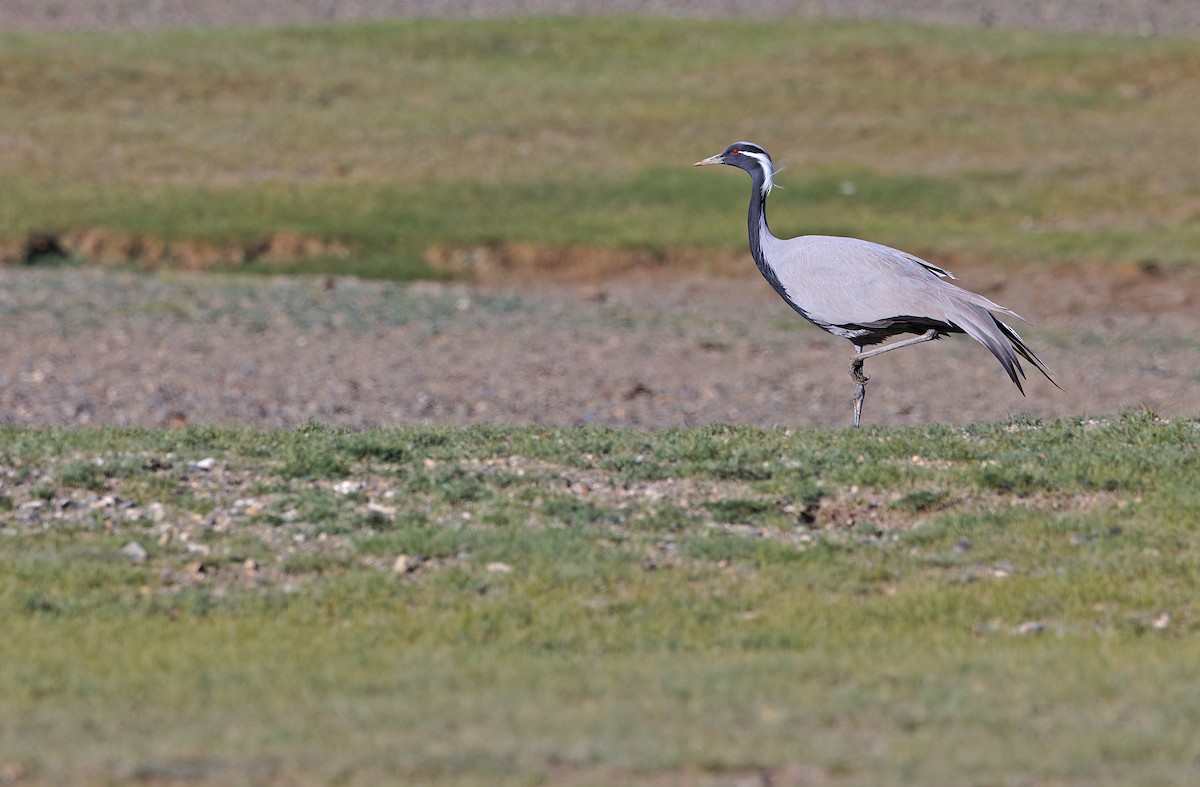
(748, 156)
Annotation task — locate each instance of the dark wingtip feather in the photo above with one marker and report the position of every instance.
(1013, 367)
(1019, 345)
(990, 332)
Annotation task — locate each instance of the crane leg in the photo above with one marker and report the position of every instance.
(856, 365)
(860, 393)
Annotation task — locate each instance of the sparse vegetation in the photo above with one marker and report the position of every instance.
(590, 605)
(389, 139)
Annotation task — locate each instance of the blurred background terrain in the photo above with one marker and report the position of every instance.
(1136, 16)
(533, 174)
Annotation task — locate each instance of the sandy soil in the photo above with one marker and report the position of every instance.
(649, 348)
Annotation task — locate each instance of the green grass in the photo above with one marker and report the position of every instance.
(596, 606)
(394, 137)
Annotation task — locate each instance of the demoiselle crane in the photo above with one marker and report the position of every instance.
(867, 292)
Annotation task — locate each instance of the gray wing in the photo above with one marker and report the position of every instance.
(843, 281)
(853, 287)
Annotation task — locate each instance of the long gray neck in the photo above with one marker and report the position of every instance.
(756, 222)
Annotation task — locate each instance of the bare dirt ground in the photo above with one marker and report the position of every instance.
(607, 340)
(648, 348)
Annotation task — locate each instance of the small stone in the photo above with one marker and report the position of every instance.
(498, 568)
(157, 512)
(205, 464)
(963, 545)
(1031, 627)
(1162, 621)
(195, 548)
(381, 510)
(108, 501)
(135, 552)
(405, 564)
(348, 487)
(251, 567)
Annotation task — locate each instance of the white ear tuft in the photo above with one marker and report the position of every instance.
(768, 170)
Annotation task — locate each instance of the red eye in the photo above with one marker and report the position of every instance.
(736, 151)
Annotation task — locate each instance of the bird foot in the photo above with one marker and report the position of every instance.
(857, 373)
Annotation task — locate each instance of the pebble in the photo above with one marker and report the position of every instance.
(406, 564)
(381, 510)
(205, 464)
(1031, 627)
(135, 552)
(246, 504)
(348, 487)
(498, 568)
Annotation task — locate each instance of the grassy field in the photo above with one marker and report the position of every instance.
(394, 137)
(1003, 604)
